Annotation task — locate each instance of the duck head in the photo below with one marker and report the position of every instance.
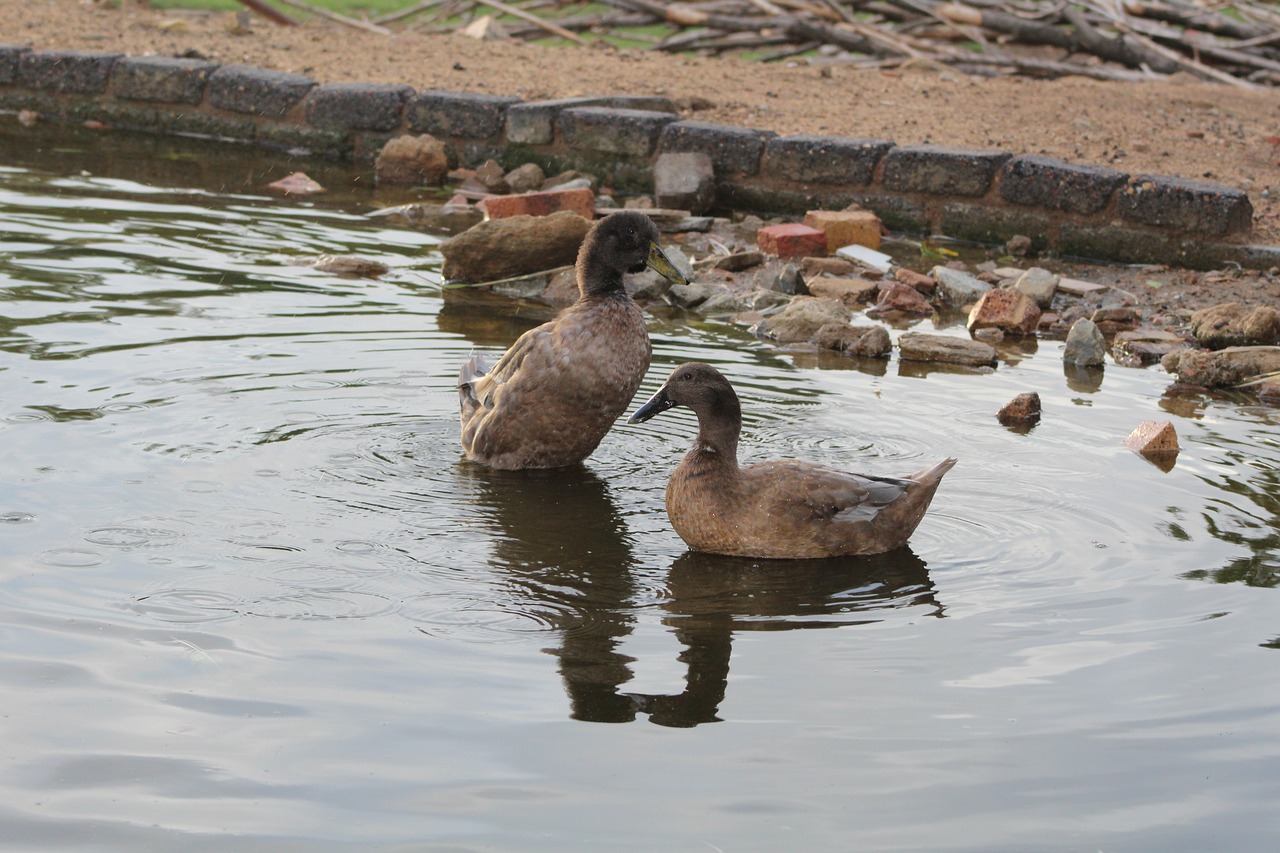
(700, 387)
(622, 242)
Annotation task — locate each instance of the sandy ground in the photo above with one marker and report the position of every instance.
(1178, 127)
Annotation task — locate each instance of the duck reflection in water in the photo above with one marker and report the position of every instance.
(564, 552)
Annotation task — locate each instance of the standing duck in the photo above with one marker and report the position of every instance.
(782, 509)
(554, 394)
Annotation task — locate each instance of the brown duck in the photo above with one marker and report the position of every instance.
(554, 394)
(784, 509)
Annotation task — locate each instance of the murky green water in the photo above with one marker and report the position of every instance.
(251, 597)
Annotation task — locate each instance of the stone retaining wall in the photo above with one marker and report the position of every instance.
(981, 195)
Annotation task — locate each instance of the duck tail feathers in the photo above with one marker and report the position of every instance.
(471, 370)
(936, 473)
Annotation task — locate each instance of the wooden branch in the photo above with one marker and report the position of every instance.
(275, 16)
(535, 20)
(336, 18)
(392, 17)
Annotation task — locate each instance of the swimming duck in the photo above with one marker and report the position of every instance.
(552, 396)
(782, 509)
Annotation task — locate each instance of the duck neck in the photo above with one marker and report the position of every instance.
(596, 278)
(718, 429)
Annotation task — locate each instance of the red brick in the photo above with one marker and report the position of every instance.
(1153, 437)
(791, 241)
(581, 201)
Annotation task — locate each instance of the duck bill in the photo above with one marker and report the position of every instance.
(661, 264)
(657, 404)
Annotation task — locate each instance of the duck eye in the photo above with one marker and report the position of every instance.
(688, 376)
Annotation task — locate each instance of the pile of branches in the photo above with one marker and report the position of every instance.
(1229, 41)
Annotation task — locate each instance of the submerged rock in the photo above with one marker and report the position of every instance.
(351, 265)
(922, 346)
(1022, 410)
(801, 320)
(517, 245)
(412, 160)
(863, 341)
(1009, 311)
(1085, 344)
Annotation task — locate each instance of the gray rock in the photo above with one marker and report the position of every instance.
(958, 288)
(801, 320)
(692, 294)
(1039, 284)
(412, 160)
(684, 180)
(1144, 346)
(761, 299)
(782, 277)
(922, 346)
(722, 301)
(1085, 344)
(517, 245)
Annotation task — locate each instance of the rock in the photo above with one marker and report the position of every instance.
(827, 266)
(850, 291)
(684, 180)
(1144, 346)
(351, 265)
(574, 180)
(922, 346)
(784, 278)
(918, 280)
(1023, 409)
(1076, 287)
(526, 178)
(801, 320)
(532, 286)
(1011, 312)
(1018, 244)
(1232, 325)
(988, 336)
(903, 299)
(1085, 344)
(738, 261)
(721, 301)
(761, 299)
(412, 160)
(298, 183)
(1153, 437)
(562, 290)
(1039, 284)
(692, 294)
(1222, 368)
(502, 248)
(846, 227)
(491, 177)
(862, 341)
(956, 287)
(1116, 319)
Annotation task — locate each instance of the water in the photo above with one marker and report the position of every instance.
(252, 598)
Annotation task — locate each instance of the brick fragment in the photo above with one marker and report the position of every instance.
(1153, 437)
(580, 201)
(792, 240)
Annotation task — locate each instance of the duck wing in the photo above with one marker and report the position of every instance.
(808, 492)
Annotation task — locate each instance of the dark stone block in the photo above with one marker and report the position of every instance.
(1209, 210)
(358, 106)
(534, 122)
(1055, 185)
(978, 223)
(823, 159)
(628, 133)
(67, 71)
(10, 56)
(458, 114)
(733, 150)
(940, 170)
(1112, 243)
(161, 78)
(257, 91)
